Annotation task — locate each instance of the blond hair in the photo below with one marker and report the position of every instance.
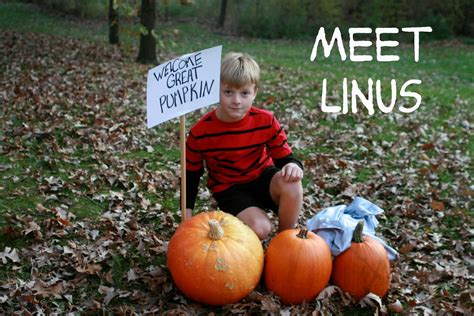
(239, 69)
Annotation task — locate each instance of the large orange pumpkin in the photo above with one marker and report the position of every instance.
(214, 258)
(298, 265)
(363, 268)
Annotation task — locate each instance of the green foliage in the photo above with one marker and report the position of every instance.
(174, 9)
(143, 30)
(126, 8)
(297, 18)
(282, 18)
(89, 8)
(440, 25)
(300, 18)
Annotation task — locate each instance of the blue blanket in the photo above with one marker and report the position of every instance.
(336, 225)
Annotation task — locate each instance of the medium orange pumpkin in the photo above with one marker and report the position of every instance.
(363, 268)
(298, 265)
(214, 258)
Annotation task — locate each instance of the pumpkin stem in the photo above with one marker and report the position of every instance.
(303, 234)
(215, 232)
(357, 237)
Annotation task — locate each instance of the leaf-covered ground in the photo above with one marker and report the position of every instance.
(88, 195)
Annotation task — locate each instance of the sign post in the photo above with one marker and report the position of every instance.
(182, 145)
(180, 86)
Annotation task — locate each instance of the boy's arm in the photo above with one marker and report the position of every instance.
(291, 168)
(279, 148)
(281, 162)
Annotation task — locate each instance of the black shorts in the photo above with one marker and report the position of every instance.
(255, 193)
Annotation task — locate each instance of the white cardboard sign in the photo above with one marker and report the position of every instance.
(182, 85)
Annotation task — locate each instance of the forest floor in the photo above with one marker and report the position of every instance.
(89, 197)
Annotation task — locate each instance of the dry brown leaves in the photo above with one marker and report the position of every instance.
(66, 102)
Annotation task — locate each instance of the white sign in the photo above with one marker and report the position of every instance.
(182, 85)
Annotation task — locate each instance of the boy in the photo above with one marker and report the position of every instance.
(249, 162)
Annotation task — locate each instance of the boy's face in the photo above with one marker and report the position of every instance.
(235, 102)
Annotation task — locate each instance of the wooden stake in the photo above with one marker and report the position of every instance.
(182, 133)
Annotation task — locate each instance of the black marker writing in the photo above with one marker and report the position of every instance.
(193, 61)
(186, 93)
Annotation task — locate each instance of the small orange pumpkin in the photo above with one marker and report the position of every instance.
(214, 258)
(298, 265)
(363, 268)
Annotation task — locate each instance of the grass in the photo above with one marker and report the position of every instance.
(283, 62)
(363, 175)
(13, 14)
(283, 54)
(293, 81)
(164, 152)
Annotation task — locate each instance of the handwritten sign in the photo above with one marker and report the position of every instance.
(182, 85)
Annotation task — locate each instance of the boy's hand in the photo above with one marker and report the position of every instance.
(291, 172)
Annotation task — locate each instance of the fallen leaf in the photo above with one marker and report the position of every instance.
(427, 146)
(328, 292)
(372, 300)
(131, 275)
(437, 205)
(396, 307)
(33, 229)
(406, 248)
(9, 253)
(269, 305)
(89, 268)
(46, 289)
(109, 292)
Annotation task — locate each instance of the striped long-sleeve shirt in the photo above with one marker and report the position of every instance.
(234, 153)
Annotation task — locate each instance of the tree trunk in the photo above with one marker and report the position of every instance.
(220, 22)
(147, 51)
(113, 24)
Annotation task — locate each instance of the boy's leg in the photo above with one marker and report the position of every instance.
(240, 201)
(258, 220)
(289, 198)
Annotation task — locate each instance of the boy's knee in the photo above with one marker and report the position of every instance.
(263, 230)
(257, 220)
(293, 189)
(261, 227)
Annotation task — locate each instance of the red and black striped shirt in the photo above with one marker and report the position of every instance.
(234, 152)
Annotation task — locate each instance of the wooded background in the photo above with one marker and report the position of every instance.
(295, 18)
(89, 196)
